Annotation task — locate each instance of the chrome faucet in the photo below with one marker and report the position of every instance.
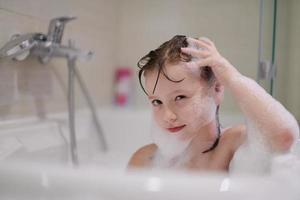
(47, 47)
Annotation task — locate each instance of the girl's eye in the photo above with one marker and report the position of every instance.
(179, 97)
(156, 102)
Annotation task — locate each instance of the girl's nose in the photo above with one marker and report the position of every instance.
(169, 116)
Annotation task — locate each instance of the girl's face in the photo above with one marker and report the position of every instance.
(180, 108)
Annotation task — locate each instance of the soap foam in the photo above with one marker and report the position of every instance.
(254, 155)
(169, 145)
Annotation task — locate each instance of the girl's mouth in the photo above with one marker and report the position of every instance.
(176, 129)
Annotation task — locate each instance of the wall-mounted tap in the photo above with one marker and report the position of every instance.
(49, 46)
(44, 46)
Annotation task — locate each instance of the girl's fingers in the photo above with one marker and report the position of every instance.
(195, 52)
(204, 62)
(190, 51)
(198, 43)
(192, 67)
(196, 65)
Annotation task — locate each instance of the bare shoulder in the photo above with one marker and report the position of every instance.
(143, 156)
(234, 136)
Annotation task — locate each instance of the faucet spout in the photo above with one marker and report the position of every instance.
(47, 50)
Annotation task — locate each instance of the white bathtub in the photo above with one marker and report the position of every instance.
(47, 141)
(36, 165)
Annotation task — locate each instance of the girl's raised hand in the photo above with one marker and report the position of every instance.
(205, 53)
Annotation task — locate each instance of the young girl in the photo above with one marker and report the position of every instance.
(184, 81)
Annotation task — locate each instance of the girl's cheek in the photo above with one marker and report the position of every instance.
(157, 117)
(182, 116)
(185, 110)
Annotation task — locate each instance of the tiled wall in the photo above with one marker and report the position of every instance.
(293, 72)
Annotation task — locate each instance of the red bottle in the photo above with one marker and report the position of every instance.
(123, 86)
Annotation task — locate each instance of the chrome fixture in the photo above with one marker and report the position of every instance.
(46, 47)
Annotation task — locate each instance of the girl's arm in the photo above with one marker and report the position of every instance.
(271, 119)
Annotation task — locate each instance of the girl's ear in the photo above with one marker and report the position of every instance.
(219, 92)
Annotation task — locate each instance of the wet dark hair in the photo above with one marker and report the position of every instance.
(170, 53)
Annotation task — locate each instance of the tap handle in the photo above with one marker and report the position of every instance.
(56, 28)
(63, 19)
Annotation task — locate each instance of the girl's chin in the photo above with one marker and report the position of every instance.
(185, 136)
